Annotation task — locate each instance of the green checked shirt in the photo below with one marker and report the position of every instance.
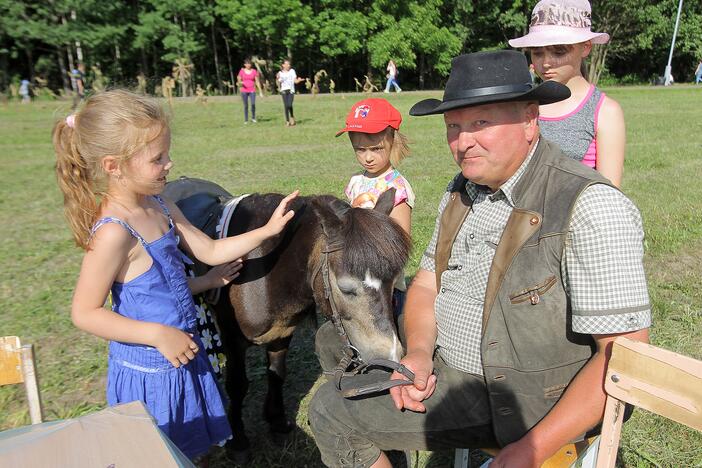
(602, 268)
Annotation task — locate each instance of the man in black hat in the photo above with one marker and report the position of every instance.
(535, 266)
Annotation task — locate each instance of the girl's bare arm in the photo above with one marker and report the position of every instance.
(215, 252)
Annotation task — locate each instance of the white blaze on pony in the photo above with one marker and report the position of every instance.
(371, 282)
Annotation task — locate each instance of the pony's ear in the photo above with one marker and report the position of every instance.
(386, 202)
(331, 211)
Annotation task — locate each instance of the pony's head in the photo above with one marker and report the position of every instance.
(367, 253)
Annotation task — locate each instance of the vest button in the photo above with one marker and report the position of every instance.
(472, 236)
(443, 290)
(460, 267)
(534, 220)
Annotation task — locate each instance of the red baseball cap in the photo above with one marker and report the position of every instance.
(372, 116)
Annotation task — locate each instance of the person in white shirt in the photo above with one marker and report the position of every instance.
(392, 77)
(287, 79)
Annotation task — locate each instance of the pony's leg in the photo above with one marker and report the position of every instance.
(237, 385)
(274, 406)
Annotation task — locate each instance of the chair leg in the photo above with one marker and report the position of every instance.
(461, 458)
(30, 384)
(611, 432)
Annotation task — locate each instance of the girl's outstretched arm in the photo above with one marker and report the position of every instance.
(215, 252)
(110, 248)
(611, 141)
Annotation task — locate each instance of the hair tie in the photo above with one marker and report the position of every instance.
(71, 120)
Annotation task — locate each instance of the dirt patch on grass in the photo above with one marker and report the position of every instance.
(675, 268)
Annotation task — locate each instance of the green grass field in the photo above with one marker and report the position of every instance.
(40, 263)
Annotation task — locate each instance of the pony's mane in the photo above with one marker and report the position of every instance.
(373, 243)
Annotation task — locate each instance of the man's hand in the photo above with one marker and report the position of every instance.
(411, 396)
(519, 454)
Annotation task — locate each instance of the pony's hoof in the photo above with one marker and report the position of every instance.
(239, 457)
(282, 426)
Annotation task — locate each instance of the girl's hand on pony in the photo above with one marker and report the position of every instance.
(176, 345)
(222, 275)
(281, 216)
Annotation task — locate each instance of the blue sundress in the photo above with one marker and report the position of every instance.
(186, 402)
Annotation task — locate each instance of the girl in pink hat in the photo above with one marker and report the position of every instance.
(588, 126)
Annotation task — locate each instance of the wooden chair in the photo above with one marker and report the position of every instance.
(17, 366)
(655, 379)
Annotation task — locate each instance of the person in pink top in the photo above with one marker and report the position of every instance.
(588, 126)
(247, 79)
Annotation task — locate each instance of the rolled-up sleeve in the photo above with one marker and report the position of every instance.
(603, 264)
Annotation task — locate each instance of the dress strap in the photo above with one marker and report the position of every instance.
(165, 209)
(110, 219)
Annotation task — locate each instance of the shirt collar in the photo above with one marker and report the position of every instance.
(506, 189)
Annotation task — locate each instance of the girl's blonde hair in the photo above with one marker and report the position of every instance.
(114, 123)
(400, 146)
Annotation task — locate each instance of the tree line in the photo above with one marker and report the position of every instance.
(127, 42)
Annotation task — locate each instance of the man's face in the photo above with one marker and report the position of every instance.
(491, 141)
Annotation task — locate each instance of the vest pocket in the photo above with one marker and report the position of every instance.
(533, 293)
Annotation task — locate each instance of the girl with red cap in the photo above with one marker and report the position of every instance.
(588, 126)
(373, 126)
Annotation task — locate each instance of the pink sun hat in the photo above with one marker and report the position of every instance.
(556, 22)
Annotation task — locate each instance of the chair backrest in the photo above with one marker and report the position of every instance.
(655, 379)
(17, 366)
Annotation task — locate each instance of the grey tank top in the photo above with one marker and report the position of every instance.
(575, 132)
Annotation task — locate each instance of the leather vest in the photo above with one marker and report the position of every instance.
(529, 353)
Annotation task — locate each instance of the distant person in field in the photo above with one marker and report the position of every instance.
(248, 82)
(78, 80)
(392, 77)
(287, 79)
(698, 73)
(588, 126)
(373, 126)
(24, 91)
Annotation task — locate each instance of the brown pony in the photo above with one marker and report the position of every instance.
(338, 260)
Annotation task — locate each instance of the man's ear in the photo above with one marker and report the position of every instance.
(531, 120)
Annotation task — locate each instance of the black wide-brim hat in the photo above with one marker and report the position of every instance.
(490, 77)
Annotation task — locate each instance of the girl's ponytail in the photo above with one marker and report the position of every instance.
(74, 179)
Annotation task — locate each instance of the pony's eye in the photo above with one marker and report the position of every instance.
(348, 291)
(347, 286)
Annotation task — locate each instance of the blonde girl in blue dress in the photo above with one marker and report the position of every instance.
(113, 159)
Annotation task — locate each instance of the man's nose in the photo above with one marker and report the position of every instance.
(466, 140)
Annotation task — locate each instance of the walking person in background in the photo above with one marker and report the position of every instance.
(78, 80)
(25, 92)
(247, 79)
(698, 73)
(588, 126)
(392, 77)
(287, 78)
